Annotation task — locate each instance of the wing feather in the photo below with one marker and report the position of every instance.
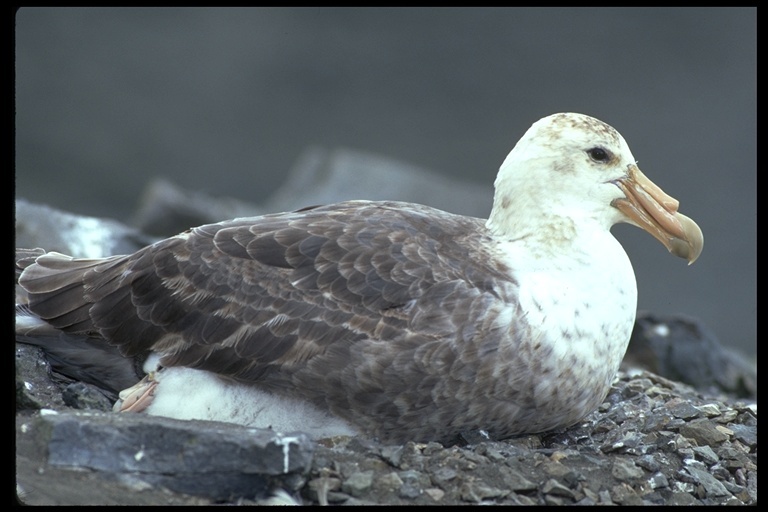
(267, 296)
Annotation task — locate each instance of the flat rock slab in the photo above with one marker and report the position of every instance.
(213, 460)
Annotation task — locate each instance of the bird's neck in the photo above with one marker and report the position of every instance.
(550, 235)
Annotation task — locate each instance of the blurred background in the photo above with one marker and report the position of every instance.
(226, 100)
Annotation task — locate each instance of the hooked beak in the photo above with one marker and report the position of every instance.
(649, 208)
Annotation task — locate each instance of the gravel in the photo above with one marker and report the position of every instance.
(652, 441)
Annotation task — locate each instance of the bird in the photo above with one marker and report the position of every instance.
(386, 319)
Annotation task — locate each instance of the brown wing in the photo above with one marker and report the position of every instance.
(244, 297)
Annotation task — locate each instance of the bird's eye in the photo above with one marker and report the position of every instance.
(599, 154)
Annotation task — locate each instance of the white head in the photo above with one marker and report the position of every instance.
(574, 169)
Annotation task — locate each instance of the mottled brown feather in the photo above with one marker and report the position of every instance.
(284, 301)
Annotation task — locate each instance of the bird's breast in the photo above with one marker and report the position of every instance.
(572, 329)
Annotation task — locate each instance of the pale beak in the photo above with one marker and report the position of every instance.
(649, 208)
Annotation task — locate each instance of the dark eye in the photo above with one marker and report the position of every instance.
(599, 154)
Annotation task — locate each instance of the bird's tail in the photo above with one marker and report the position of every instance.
(52, 297)
(60, 289)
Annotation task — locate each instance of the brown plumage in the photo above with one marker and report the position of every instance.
(281, 301)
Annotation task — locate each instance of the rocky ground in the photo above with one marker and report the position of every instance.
(653, 441)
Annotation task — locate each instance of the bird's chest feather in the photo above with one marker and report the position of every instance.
(583, 318)
(576, 319)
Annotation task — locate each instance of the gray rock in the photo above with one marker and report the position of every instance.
(214, 460)
(477, 492)
(392, 454)
(683, 409)
(76, 235)
(711, 485)
(555, 488)
(626, 470)
(703, 432)
(658, 480)
(443, 477)
(684, 349)
(80, 395)
(165, 209)
(648, 463)
(391, 481)
(747, 434)
(320, 176)
(323, 176)
(705, 454)
(682, 499)
(358, 483)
